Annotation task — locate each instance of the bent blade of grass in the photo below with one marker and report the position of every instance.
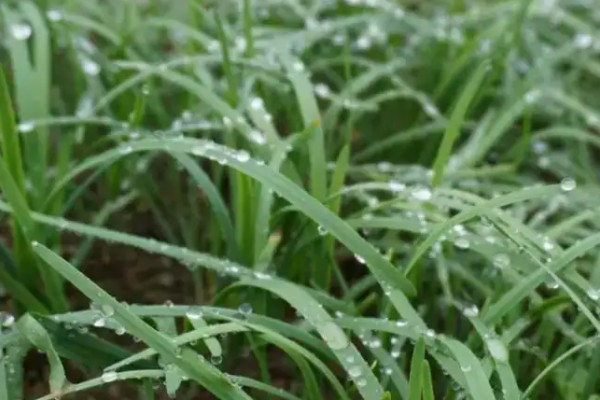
(187, 360)
(385, 272)
(215, 200)
(332, 334)
(480, 209)
(39, 337)
(476, 381)
(456, 120)
(206, 333)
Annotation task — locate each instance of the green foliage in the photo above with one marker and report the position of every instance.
(372, 199)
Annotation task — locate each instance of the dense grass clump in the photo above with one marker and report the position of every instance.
(302, 199)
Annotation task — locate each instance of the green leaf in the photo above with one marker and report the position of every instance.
(39, 337)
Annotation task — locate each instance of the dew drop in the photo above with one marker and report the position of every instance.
(421, 193)
(20, 31)
(126, 149)
(54, 15)
(401, 323)
(334, 336)
(109, 376)
(462, 243)
(532, 96)
(257, 103)
(100, 322)
(355, 371)
(298, 66)
(6, 320)
(245, 309)
(568, 184)
(322, 230)
(583, 40)
(471, 311)
(90, 67)
(497, 349)
(257, 137)
(465, 368)
(361, 383)
(107, 310)
(262, 276)
(216, 359)
(501, 260)
(25, 127)
(242, 156)
(359, 259)
(322, 90)
(593, 294)
(396, 186)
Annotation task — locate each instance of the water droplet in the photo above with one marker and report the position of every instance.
(583, 40)
(199, 150)
(322, 90)
(471, 311)
(465, 368)
(359, 259)
(539, 146)
(497, 349)
(552, 285)
(194, 313)
(100, 322)
(593, 294)
(396, 186)
(532, 96)
(548, 245)
(6, 320)
(242, 156)
(25, 127)
(262, 276)
(375, 343)
(334, 336)
(322, 230)
(20, 31)
(361, 382)
(401, 323)
(109, 376)
(125, 149)
(395, 352)
(257, 137)
(421, 193)
(107, 310)
(350, 359)
(355, 371)
(245, 309)
(216, 359)
(90, 67)
(462, 243)
(54, 15)
(257, 103)
(430, 333)
(169, 303)
(501, 260)
(298, 66)
(364, 42)
(120, 330)
(568, 184)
